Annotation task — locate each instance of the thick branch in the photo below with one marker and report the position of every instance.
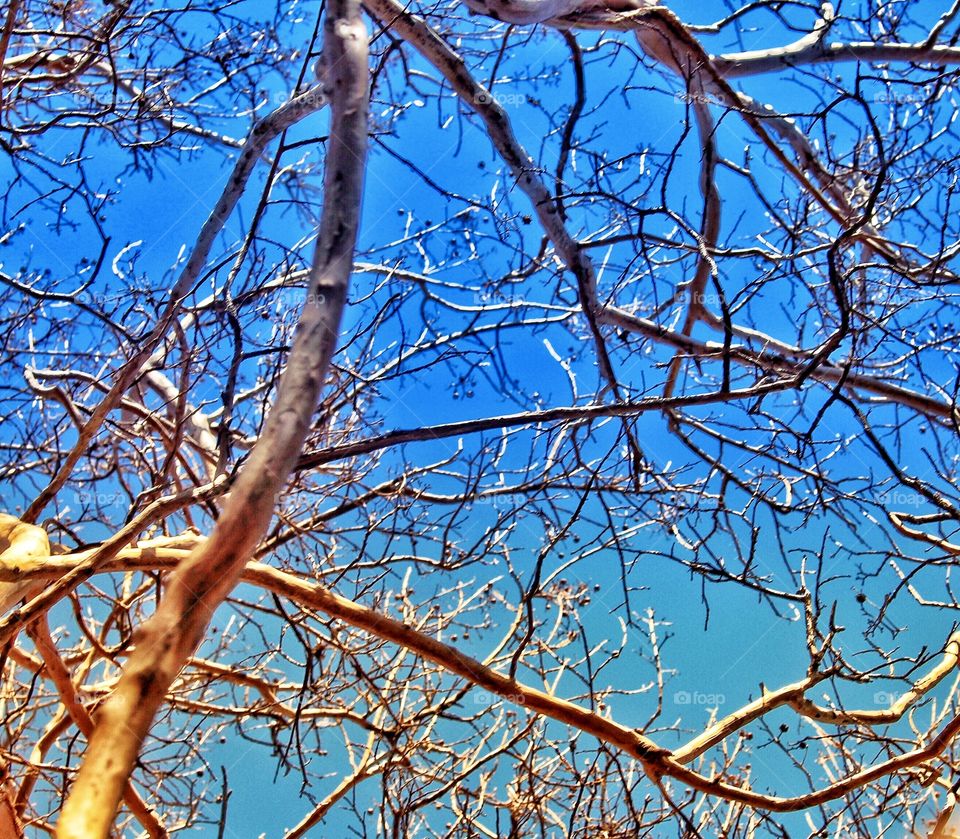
(755, 62)
(201, 582)
(657, 760)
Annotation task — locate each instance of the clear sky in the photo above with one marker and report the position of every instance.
(718, 642)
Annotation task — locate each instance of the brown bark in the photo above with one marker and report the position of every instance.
(201, 582)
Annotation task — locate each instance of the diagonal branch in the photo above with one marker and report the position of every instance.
(200, 583)
(658, 761)
(415, 31)
(261, 135)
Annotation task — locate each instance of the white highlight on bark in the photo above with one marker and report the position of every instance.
(201, 582)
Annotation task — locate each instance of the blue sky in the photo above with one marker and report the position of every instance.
(721, 656)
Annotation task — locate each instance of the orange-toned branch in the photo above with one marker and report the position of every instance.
(200, 583)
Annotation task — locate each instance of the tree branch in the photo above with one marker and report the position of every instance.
(200, 583)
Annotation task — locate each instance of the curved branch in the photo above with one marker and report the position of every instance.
(657, 761)
(166, 642)
(261, 135)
